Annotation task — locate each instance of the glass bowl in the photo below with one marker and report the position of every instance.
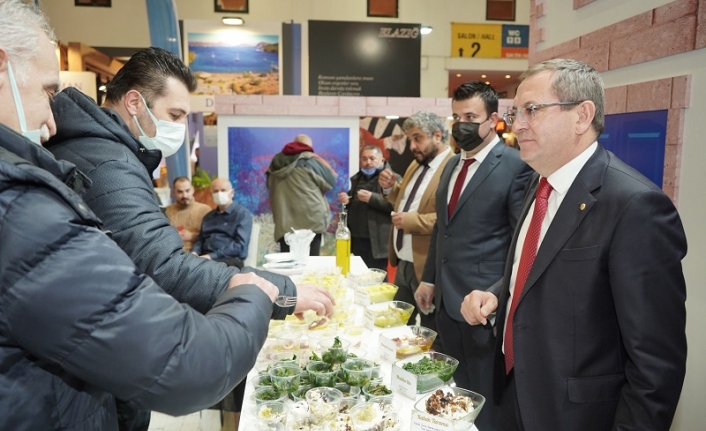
(455, 406)
(368, 277)
(411, 341)
(436, 369)
(333, 350)
(285, 377)
(266, 394)
(262, 381)
(272, 412)
(321, 374)
(357, 371)
(380, 292)
(323, 404)
(373, 416)
(390, 313)
(376, 389)
(348, 391)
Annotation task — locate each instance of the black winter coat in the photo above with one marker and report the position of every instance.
(99, 143)
(79, 324)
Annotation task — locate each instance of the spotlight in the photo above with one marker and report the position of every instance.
(426, 29)
(232, 21)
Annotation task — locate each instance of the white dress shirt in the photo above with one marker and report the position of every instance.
(406, 252)
(480, 156)
(560, 181)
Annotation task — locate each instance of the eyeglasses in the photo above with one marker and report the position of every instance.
(528, 112)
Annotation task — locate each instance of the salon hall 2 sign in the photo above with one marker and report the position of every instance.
(489, 40)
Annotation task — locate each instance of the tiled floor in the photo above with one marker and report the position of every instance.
(205, 420)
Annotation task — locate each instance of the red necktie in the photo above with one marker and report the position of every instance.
(400, 232)
(529, 252)
(458, 185)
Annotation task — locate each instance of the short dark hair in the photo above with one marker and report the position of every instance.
(471, 89)
(177, 179)
(147, 71)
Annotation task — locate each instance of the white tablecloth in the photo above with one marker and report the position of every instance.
(368, 342)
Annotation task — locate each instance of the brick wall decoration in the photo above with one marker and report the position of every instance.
(636, 40)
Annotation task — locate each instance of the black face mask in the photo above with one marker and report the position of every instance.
(466, 135)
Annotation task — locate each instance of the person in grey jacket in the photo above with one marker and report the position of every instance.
(117, 147)
(369, 212)
(297, 179)
(79, 323)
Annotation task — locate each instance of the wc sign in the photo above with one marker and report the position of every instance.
(515, 41)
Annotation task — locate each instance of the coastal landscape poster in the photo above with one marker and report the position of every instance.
(234, 62)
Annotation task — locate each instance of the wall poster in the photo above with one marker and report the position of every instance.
(246, 146)
(364, 59)
(234, 62)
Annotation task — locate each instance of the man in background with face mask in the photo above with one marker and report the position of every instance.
(478, 203)
(369, 211)
(118, 146)
(225, 231)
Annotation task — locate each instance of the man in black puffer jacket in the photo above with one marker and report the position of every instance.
(79, 324)
(114, 147)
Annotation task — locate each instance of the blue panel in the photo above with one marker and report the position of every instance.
(515, 36)
(164, 33)
(639, 139)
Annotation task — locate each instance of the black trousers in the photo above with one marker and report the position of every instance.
(362, 247)
(509, 418)
(314, 247)
(474, 348)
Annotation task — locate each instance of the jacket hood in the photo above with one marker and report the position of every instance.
(29, 163)
(77, 116)
(283, 164)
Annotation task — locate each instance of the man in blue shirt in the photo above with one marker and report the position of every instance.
(225, 231)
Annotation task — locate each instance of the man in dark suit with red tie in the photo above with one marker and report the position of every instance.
(591, 311)
(478, 203)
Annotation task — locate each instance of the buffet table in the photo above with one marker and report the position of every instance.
(364, 343)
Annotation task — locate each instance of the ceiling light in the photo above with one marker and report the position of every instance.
(484, 76)
(487, 82)
(392, 117)
(426, 29)
(232, 21)
(508, 76)
(458, 75)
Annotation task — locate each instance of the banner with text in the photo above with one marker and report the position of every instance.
(489, 40)
(364, 59)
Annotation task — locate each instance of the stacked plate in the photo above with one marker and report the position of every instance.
(282, 263)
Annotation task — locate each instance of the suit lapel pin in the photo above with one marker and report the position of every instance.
(582, 207)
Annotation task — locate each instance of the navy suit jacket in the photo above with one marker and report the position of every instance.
(468, 250)
(599, 332)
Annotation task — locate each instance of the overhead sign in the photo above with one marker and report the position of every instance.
(489, 40)
(364, 59)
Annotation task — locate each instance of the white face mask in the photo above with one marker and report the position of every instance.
(221, 198)
(167, 139)
(36, 136)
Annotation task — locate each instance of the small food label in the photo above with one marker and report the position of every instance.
(361, 297)
(426, 422)
(387, 349)
(369, 319)
(404, 382)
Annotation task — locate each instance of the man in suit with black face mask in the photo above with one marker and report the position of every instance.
(478, 203)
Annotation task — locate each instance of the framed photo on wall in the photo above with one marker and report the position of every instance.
(383, 8)
(500, 10)
(100, 3)
(239, 6)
